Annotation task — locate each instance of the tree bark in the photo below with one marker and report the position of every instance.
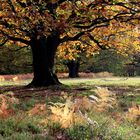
(43, 53)
(73, 67)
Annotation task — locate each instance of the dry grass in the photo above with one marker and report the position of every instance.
(6, 103)
(75, 110)
(133, 114)
(38, 109)
(87, 75)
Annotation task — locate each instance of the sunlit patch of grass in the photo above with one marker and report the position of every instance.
(12, 83)
(114, 81)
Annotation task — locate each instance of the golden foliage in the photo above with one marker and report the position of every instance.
(66, 114)
(85, 104)
(22, 21)
(75, 110)
(72, 50)
(104, 99)
(124, 37)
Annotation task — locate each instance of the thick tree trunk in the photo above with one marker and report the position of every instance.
(73, 67)
(43, 52)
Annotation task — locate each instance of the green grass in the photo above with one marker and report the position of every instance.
(12, 83)
(113, 81)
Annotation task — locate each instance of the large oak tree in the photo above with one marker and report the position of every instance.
(45, 24)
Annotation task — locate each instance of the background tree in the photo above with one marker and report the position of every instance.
(73, 54)
(44, 25)
(108, 60)
(117, 46)
(136, 61)
(15, 60)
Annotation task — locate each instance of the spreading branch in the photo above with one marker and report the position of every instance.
(16, 50)
(15, 38)
(96, 41)
(80, 34)
(76, 37)
(4, 42)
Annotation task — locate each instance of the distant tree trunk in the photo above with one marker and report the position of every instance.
(73, 67)
(43, 52)
(130, 70)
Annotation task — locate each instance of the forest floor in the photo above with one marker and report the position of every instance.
(107, 108)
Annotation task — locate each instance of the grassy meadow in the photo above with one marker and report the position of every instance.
(111, 81)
